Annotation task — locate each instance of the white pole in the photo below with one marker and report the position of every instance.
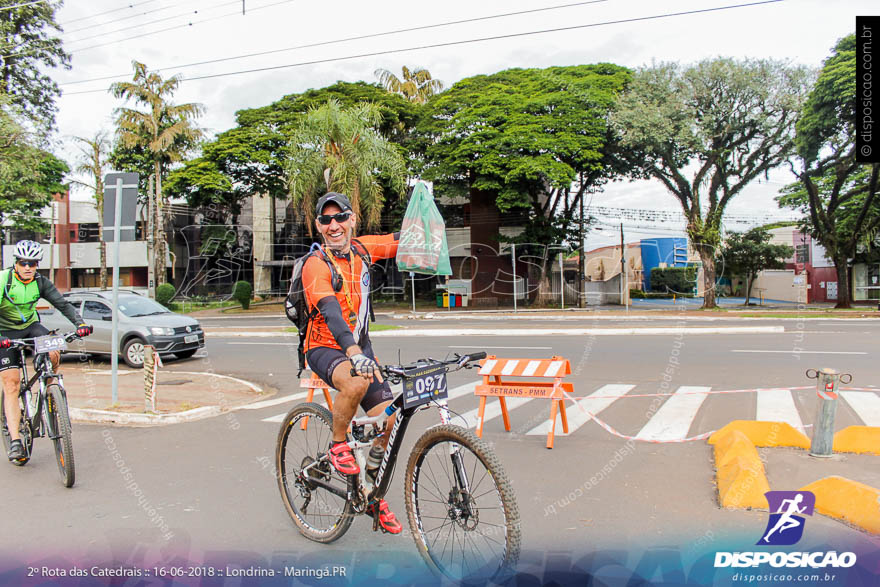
(114, 355)
(52, 244)
(513, 263)
(561, 283)
(412, 277)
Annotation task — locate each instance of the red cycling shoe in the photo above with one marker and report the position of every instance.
(387, 519)
(343, 460)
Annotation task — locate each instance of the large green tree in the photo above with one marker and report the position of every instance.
(92, 164)
(341, 150)
(28, 175)
(706, 131)
(28, 47)
(536, 139)
(837, 195)
(161, 134)
(748, 253)
(416, 85)
(250, 159)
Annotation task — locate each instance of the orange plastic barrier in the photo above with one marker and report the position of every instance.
(549, 385)
(312, 384)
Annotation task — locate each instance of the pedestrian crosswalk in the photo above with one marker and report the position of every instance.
(778, 406)
(673, 420)
(661, 417)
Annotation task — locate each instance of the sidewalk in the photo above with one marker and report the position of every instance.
(181, 395)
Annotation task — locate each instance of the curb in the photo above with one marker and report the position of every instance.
(739, 472)
(764, 433)
(853, 502)
(451, 332)
(137, 418)
(858, 439)
(107, 417)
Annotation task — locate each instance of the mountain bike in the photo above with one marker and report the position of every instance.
(459, 502)
(43, 412)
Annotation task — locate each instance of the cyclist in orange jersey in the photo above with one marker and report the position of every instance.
(337, 340)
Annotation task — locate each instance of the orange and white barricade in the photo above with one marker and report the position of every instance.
(546, 383)
(312, 383)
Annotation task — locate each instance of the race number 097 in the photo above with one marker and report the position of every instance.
(428, 384)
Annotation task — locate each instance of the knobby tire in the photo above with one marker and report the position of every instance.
(493, 529)
(323, 517)
(27, 437)
(56, 409)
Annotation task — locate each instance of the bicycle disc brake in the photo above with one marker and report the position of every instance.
(462, 509)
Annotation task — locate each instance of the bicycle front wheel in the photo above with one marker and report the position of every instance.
(315, 497)
(56, 412)
(461, 507)
(24, 430)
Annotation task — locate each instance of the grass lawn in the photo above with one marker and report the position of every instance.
(184, 307)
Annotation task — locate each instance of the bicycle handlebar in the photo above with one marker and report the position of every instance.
(461, 361)
(15, 343)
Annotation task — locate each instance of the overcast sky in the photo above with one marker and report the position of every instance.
(803, 31)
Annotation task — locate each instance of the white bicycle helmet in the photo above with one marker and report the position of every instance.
(28, 250)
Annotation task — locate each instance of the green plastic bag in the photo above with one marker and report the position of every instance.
(423, 247)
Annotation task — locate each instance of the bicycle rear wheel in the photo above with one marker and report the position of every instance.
(315, 498)
(24, 429)
(461, 507)
(56, 411)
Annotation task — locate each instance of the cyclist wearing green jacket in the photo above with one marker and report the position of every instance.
(21, 286)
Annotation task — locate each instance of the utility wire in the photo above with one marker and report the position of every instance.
(107, 12)
(144, 24)
(22, 5)
(468, 41)
(189, 24)
(345, 40)
(105, 23)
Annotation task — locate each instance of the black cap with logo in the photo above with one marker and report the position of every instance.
(338, 199)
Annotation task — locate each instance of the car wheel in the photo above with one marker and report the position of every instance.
(133, 353)
(185, 354)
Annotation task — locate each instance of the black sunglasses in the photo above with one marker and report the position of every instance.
(29, 263)
(341, 217)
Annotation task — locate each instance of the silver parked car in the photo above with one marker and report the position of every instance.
(142, 321)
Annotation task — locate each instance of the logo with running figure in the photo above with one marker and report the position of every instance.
(787, 511)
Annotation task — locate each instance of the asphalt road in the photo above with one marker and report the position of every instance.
(205, 492)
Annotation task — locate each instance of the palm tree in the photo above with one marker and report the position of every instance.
(416, 86)
(339, 149)
(165, 130)
(93, 163)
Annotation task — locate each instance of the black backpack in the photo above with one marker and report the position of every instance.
(296, 307)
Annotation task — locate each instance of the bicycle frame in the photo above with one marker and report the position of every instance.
(382, 482)
(383, 478)
(42, 372)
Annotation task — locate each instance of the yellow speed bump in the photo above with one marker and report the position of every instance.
(739, 472)
(765, 433)
(864, 439)
(848, 500)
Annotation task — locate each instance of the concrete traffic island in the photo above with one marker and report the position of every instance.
(182, 396)
(742, 481)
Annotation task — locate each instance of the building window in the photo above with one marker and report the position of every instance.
(87, 233)
(802, 254)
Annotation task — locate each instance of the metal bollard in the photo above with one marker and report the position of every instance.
(827, 381)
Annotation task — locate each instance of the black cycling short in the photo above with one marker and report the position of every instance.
(323, 360)
(11, 358)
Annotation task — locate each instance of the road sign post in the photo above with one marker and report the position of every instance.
(120, 192)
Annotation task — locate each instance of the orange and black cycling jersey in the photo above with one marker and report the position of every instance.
(326, 330)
